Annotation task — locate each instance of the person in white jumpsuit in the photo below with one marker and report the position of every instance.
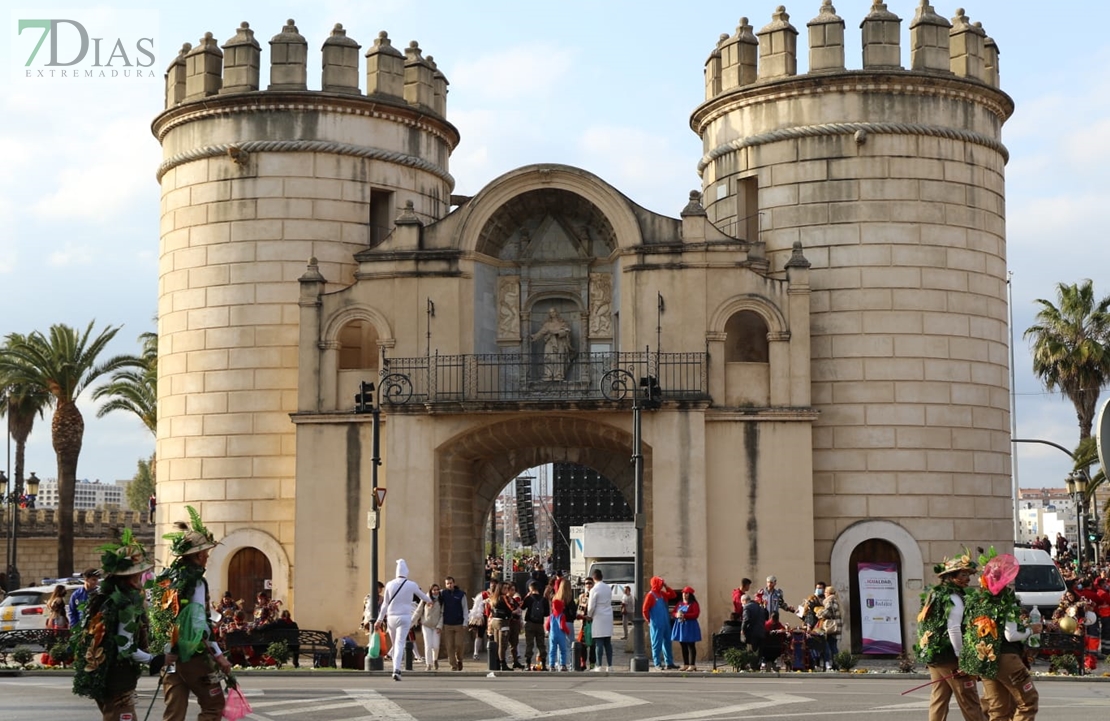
(396, 612)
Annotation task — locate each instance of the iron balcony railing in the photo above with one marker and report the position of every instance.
(538, 377)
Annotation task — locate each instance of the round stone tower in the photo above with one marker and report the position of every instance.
(255, 182)
(891, 178)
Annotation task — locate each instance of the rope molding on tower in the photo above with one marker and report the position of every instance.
(303, 146)
(825, 129)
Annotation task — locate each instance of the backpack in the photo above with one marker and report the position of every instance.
(535, 611)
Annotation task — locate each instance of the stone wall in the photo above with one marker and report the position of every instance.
(37, 543)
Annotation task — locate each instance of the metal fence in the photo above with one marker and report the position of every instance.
(520, 377)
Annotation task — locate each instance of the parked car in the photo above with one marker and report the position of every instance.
(25, 608)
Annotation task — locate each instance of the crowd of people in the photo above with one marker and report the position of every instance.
(764, 632)
(532, 628)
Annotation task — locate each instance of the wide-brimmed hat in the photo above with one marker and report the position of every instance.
(125, 558)
(190, 538)
(956, 564)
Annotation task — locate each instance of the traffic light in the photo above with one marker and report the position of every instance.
(364, 399)
(652, 393)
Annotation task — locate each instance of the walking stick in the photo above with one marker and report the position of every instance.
(915, 688)
(161, 678)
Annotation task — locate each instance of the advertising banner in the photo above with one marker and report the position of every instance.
(880, 620)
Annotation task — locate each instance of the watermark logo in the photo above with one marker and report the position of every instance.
(85, 45)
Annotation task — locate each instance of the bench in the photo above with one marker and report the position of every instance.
(40, 638)
(302, 642)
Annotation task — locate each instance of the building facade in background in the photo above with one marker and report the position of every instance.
(825, 320)
(88, 495)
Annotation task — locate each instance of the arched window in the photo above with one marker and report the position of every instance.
(358, 346)
(746, 338)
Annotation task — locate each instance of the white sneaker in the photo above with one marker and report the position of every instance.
(597, 669)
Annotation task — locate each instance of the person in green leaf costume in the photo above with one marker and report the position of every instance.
(181, 622)
(940, 640)
(109, 645)
(994, 639)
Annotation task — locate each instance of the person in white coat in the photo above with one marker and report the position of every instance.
(395, 615)
(600, 612)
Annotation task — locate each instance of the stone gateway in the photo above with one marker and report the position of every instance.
(832, 359)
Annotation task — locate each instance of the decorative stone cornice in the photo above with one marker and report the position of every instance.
(304, 146)
(812, 131)
(304, 101)
(859, 81)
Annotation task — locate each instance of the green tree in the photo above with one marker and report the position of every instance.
(63, 363)
(1070, 350)
(141, 487)
(135, 390)
(19, 404)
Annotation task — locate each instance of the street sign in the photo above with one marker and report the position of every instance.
(372, 520)
(268, 584)
(1102, 435)
(379, 493)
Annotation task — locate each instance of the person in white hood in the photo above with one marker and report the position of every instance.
(395, 613)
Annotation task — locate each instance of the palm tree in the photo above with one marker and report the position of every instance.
(1070, 347)
(20, 403)
(135, 390)
(63, 364)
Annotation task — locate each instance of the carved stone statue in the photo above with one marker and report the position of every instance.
(508, 309)
(555, 333)
(601, 304)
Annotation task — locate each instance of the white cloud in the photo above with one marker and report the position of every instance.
(71, 254)
(643, 165)
(515, 73)
(105, 170)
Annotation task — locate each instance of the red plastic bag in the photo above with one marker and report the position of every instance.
(236, 706)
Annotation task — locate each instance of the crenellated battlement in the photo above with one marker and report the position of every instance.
(43, 522)
(208, 69)
(956, 48)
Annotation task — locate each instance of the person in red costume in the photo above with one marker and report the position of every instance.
(659, 623)
(558, 647)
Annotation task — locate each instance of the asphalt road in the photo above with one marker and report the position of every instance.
(619, 697)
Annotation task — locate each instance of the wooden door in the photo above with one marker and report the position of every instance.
(873, 550)
(247, 574)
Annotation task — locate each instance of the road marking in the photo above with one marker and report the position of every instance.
(517, 711)
(379, 707)
(769, 699)
(906, 706)
(315, 699)
(312, 709)
(512, 708)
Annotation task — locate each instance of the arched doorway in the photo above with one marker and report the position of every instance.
(876, 557)
(475, 466)
(247, 573)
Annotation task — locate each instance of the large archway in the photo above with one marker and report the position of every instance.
(473, 467)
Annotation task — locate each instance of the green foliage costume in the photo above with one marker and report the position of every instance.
(177, 619)
(104, 663)
(933, 643)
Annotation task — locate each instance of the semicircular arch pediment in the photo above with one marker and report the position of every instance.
(763, 307)
(334, 324)
(597, 213)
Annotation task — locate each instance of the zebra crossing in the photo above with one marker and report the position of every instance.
(481, 704)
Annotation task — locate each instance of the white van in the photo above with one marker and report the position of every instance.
(1038, 582)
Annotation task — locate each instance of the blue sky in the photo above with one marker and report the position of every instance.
(607, 86)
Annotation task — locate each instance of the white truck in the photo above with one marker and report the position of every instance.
(609, 546)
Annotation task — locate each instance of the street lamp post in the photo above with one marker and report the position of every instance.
(617, 385)
(1077, 488)
(398, 389)
(13, 500)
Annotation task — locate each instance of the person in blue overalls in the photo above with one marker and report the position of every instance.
(659, 622)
